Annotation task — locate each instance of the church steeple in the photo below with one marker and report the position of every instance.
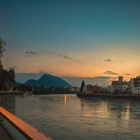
(82, 87)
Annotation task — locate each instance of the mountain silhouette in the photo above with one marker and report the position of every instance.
(48, 80)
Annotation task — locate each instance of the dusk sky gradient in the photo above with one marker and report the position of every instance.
(82, 38)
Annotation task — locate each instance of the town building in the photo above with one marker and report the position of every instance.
(93, 89)
(135, 85)
(119, 86)
(89, 89)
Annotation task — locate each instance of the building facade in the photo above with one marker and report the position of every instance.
(93, 89)
(119, 86)
(135, 85)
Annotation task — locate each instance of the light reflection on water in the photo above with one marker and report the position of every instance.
(67, 117)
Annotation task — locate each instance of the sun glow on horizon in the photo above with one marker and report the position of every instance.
(110, 62)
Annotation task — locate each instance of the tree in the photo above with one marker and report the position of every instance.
(2, 49)
(7, 78)
(82, 86)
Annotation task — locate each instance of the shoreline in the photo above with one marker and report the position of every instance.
(11, 93)
(110, 96)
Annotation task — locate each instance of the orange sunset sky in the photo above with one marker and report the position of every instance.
(72, 38)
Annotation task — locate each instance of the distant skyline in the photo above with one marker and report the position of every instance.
(72, 38)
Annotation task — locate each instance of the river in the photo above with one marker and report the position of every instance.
(67, 117)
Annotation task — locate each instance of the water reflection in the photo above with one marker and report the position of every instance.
(125, 109)
(67, 117)
(8, 102)
(92, 108)
(65, 99)
(126, 113)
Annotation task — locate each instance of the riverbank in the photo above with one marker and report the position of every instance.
(112, 96)
(11, 93)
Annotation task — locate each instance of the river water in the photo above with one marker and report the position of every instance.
(67, 117)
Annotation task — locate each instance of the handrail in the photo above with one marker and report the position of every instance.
(28, 131)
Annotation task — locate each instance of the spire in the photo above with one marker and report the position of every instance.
(82, 86)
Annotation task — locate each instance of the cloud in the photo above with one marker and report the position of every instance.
(31, 53)
(68, 57)
(107, 60)
(122, 61)
(110, 72)
(65, 56)
(127, 74)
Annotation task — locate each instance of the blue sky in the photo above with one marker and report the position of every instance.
(79, 34)
(65, 23)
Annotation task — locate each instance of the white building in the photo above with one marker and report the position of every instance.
(135, 85)
(119, 86)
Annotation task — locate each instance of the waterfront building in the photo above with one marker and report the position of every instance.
(91, 89)
(135, 85)
(73, 89)
(119, 86)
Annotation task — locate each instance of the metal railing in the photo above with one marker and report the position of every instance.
(25, 130)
